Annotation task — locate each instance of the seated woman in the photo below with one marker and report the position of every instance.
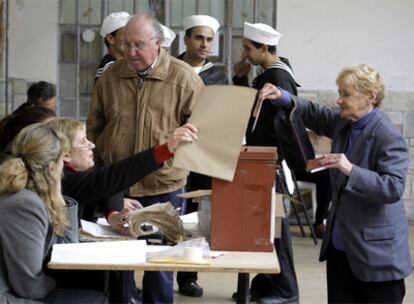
(101, 187)
(33, 215)
(366, 240)
(88, 185)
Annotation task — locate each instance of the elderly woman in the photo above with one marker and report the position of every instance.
(103, 186)
(33, 216)
(89, 186)
(366, 244)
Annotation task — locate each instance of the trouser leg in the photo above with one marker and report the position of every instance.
(339, 277)
(285, 283)
(381, 292)
(158, 287)
(344, 287)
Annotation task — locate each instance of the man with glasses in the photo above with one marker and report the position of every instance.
(137, 104)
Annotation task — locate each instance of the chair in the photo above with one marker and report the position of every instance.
(291, 191)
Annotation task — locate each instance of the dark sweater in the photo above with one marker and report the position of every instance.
(105, 185)
(210, 73)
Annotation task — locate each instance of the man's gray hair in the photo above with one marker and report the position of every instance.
(154, 22)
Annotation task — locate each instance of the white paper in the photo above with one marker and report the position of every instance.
(191, 218)
(115, 252)
(317, 169)
(100, 230)
(288, 178)
(102, 221)
(273, 214)
(103, 253)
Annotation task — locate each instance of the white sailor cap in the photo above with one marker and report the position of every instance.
(201, 20)
(261, 33)
(113, 22)
(169, 36)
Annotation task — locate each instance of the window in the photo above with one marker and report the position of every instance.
(81, 46)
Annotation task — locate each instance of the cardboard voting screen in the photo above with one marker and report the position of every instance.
(221, 116)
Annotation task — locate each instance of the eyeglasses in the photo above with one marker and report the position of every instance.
(88, 145)
(137, 45)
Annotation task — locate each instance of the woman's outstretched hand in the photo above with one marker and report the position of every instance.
(186, 133)
(269, 91)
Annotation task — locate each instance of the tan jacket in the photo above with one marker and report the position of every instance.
(128, 115)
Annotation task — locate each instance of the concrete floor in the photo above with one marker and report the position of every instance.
(218, 287)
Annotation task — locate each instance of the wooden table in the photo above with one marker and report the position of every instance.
(242, 263)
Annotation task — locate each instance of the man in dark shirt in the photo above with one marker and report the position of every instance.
(259, 48)
(198, 39)
(199, 35)
(273, 127)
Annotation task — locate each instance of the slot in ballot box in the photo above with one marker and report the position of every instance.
(243, 211)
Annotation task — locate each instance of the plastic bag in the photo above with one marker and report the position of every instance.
(194, 251)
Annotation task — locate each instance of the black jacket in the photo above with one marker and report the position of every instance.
(211, 74)
(104, 64)
(104, 185)
(277, 127)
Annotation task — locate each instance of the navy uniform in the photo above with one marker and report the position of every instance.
(110, 25)
(104, 64)
(265, 134)
(212, 74)
(282, 287)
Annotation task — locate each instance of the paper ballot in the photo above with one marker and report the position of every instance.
(123, 252)
(101, 231)
(221, 116)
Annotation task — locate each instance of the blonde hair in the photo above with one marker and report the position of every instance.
(365, 79)
(35, 148)
(67, 126)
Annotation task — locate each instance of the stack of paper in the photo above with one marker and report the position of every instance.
(97, 231)
(164, 217)
(119, 252)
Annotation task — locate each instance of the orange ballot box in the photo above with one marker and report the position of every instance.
(243, 211)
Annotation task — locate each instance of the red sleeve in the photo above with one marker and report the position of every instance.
(161, 154)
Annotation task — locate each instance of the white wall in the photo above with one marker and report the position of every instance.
(322, 36)
(33, 39)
